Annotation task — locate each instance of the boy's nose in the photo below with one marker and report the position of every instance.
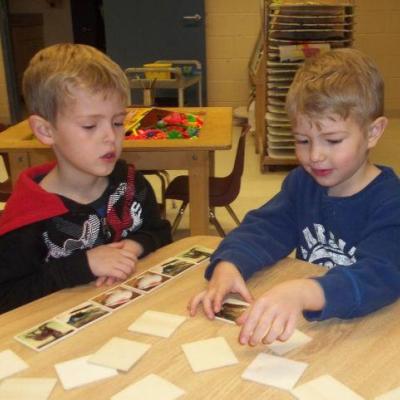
(109, 133)
(316, 153)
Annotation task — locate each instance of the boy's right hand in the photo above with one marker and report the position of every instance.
(111, 260)
(225, 279)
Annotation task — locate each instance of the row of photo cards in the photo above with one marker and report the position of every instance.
(63, 325)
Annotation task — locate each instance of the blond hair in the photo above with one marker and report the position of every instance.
(55, 71)
(343, 82)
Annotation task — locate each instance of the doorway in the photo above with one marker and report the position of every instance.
(140, 32)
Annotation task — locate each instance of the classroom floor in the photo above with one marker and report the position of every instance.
(257, 187)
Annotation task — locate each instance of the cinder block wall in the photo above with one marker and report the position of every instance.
(232, 27)
(231, 32)
(378, 35)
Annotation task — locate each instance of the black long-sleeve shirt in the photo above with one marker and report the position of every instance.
(44, 237)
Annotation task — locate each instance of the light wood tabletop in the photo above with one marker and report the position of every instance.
(363, 354)
(195, 155)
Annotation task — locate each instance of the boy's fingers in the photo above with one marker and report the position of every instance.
(194, 303)
(100, 281)
(289, 329)
(245, 293)
(218, 299)
(208, 303)
(242, 318)
(250, 324)
(275, 330)
(116, 245)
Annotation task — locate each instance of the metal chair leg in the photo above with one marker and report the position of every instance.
(165, 173)
(178, 217)
(232, 214)
(215, 222)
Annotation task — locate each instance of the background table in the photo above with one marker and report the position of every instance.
(196, 156)
(363, 354)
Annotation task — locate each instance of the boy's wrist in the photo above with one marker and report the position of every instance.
(312, 294)
(134, 247)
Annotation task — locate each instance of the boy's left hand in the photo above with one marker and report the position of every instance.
(276, 313)
(134, 247)
(130, 245)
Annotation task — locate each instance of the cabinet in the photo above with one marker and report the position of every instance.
(292, 30)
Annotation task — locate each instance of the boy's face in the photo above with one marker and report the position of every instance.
(88, 133)
(334, 152)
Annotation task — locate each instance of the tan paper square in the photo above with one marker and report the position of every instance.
(26, 388)
(208, 354)
(152, 387)
(119, 353)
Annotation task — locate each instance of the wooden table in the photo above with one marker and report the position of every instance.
(195, 156)
(363, 354)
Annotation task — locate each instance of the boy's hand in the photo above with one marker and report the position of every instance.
(225, 279)
(134, 247)
(276, 313)
(105, 281)
(111, 260)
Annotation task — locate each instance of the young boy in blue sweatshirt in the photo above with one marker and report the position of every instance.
(337, 209)
(89, 216)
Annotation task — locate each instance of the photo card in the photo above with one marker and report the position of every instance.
(117, 297)
(147, 281)
(45, 334)
(196, 254)
(232, 309)
(173, 267)
(83, 314)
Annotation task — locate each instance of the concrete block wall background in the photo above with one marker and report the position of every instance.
(378, 34)
(232, 27)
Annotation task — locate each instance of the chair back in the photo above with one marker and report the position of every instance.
(229, 186)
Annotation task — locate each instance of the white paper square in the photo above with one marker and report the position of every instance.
(10, 363)
(392, 395)
(119, 353)
(296, 340)
(26, 388)
(274, 371)
(157, 323)
(79, 372)
(324, 387)
(208, 354)
(152, 387)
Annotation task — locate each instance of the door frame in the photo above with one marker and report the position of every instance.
(11, 82)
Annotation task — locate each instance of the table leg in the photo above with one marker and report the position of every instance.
(200, 94)
(199, 169)
(181, 101)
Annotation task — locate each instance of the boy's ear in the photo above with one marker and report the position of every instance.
(375, 131)
(42, 129)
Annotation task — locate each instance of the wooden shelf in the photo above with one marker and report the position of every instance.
(292, 30)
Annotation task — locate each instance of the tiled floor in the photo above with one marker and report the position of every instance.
(259, 187)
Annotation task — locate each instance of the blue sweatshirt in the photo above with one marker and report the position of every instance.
(357, 238)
